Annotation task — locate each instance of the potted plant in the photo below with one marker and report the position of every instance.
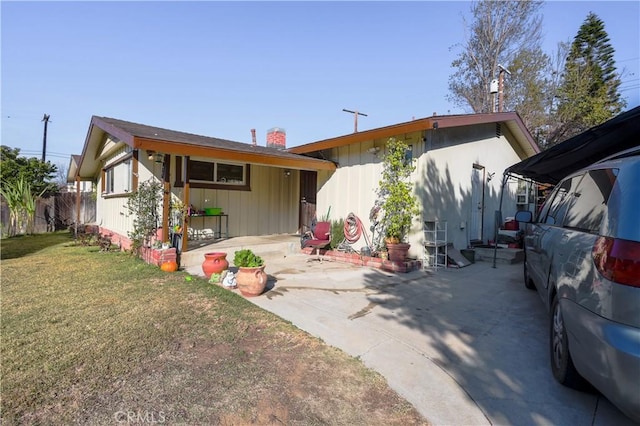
(251, 278)
(398, 202)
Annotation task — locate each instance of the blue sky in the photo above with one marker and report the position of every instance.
(220, 68)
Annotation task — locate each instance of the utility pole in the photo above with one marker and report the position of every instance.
(501, 86)
(44, 138)
(355, 115)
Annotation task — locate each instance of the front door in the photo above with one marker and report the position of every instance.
(477, 203)
(308, 188)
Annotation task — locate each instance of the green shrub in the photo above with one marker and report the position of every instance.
(247, 259)
(337, 232)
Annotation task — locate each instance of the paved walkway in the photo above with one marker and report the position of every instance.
(465, 346)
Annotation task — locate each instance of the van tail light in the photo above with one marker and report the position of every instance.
(618, 260)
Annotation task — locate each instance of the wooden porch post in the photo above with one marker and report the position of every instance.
(77, 205)
(187, 203)
(166, 197)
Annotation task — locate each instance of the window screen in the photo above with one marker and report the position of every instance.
(229, 173)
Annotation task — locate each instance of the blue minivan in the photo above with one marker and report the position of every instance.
(582, 255)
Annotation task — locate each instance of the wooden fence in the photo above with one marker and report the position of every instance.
(56, 212)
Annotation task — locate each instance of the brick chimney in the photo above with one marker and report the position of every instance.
(253, 136)
(277, 138)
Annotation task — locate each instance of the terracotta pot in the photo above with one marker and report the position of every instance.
(251, 281)
(398, 252)
(214, 263)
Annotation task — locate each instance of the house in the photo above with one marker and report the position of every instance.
(459, 163)
(256, 187)
(72, 185)
(266, 190)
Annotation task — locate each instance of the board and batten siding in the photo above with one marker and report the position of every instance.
(444, 160)
(270, 207)
(111, 212)
(445, 182)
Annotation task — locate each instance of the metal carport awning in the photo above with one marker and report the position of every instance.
(551, 166)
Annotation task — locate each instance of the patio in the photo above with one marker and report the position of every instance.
(280, 246)
(267, 246)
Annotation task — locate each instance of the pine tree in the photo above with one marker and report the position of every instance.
(589, 93)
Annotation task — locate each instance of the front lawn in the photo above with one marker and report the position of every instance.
(102, 338)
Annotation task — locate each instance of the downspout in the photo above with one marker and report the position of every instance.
(496, 224)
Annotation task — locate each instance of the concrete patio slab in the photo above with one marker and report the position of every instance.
(464, 346)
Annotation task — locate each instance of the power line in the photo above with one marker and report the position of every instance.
(629, 60)
(31, 153)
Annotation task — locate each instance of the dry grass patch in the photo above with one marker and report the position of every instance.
(99, 338)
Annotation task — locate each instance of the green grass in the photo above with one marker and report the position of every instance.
(86, 335)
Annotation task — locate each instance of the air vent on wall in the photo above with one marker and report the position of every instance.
(498, 130)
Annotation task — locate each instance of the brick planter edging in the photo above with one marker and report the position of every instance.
(157, 257)
(373, 262)
(152, 256)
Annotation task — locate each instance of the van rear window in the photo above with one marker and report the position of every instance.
(590, 200)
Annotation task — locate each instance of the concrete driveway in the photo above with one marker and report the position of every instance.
(464, 346)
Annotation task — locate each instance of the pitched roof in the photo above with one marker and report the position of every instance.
(73, 167)
(141, 136)
(511, 119)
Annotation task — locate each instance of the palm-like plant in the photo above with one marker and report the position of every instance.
(21, 203)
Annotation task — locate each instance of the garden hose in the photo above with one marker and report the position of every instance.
(353, 229)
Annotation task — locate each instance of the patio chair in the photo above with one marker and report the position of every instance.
(321, 237)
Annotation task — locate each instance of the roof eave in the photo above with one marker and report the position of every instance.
(446, 121)
(299, 162)
(87, 167)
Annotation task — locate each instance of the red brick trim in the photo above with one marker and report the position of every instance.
(372, 262)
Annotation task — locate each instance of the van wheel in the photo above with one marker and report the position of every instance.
(528, 283)
(561, 363)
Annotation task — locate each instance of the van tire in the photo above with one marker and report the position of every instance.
(561, 363)
(528, 283)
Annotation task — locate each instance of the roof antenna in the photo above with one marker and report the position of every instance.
(355, 115)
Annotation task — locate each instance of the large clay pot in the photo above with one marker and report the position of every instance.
(214, 263)
(251, 281)
(398, 252)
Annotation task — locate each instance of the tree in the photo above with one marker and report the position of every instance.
(589, 93)
(61, 175)
(39, 175)
(551, 124)
(144, 205)
(506, 33)
(529, 86)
